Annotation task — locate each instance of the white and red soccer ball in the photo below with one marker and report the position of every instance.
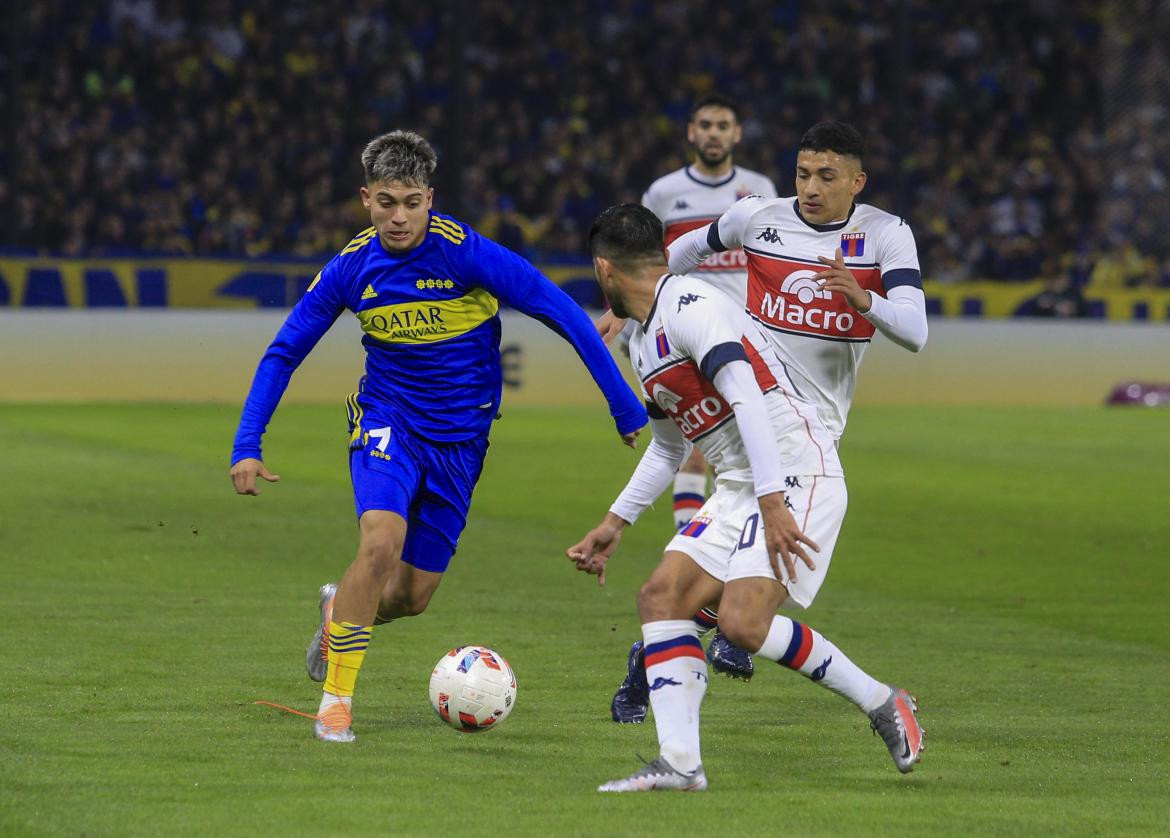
(473, 688)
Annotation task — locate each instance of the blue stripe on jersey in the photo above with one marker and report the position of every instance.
(902, 276)
(720, 356)
(713, 240)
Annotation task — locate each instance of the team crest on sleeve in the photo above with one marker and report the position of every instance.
(660, 342)
(852, 244)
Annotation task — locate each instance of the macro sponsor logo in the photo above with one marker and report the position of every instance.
(782, 309)
(690, 420)
(801, 285)
(735, 260)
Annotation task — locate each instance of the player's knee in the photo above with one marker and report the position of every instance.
(655, 601)
(744, 630)
(380, 550)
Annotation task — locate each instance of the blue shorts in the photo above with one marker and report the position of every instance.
(427, 483)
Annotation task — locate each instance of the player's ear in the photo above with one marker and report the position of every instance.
(365, 193)
(430, 196)
(859, 182)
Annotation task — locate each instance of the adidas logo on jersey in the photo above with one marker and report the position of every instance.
(369, 293)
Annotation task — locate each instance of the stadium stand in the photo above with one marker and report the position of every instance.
(1028, 140)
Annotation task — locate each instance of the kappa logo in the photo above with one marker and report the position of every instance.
(681, 204)
(801, 285)
(659, 683)
(792, 483)
(819, 672)
(687, 299)
(770, 236)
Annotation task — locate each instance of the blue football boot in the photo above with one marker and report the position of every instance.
(632, 698)
(727, 658)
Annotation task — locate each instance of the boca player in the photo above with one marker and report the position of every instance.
(425, 289)
(712, 380)
(824, 273)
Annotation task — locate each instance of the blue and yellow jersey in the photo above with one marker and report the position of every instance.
(432, 334)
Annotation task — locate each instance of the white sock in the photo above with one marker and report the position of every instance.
(798, 647)
(328, 699)
(690, 491)
(677, 673)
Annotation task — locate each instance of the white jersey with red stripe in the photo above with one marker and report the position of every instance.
(685, 200)
(691, 332)
(818, 335)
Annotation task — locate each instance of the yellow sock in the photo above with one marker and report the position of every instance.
(347, 650)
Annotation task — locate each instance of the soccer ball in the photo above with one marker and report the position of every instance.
(473, 688)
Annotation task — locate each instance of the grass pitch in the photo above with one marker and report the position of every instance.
(1007, 566)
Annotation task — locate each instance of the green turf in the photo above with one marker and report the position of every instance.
(1009, 566)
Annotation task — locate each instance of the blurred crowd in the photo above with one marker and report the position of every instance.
(1021, 139)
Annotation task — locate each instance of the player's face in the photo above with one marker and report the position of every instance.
(399, 211)
(826, 184)
(713, 132)
(603, 270)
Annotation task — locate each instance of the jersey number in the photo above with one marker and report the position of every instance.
(383, 437)
(748, 537)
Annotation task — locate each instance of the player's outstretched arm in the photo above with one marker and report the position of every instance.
(517, 282)
(245, 472)
(309, 320)
(783, 538)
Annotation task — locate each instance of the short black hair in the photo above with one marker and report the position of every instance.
(627, 234)
(839, 137)
(718, 100)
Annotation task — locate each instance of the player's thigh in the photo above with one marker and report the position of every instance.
(439, 513)
(818, 504)
(385, 470)
(676, 589)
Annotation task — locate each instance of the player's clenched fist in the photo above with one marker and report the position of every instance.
(245, 472)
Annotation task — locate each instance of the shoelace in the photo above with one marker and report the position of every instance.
(327, 718)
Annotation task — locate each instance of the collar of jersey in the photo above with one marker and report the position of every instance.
(823, 228)
(654, 306)
(711, 183)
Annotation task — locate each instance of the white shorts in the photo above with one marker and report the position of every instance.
(725, 540)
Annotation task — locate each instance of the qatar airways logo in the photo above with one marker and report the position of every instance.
(783, 310)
